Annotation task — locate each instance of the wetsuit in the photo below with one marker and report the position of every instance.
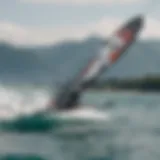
(67, 98)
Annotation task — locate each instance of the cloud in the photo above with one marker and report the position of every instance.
(81, 2)
(21, 35)
(151, 29)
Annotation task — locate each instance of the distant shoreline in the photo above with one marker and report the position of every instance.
(139, 85)
(123, 91)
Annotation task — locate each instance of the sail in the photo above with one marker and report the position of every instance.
(106, 57)
(116, 46)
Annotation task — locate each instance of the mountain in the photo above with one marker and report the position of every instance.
(59, 62)
(18, 64)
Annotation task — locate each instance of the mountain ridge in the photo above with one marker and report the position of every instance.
(61, 61)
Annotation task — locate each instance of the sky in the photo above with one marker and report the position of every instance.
(43, 22)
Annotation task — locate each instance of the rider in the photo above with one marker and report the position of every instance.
(69, 96)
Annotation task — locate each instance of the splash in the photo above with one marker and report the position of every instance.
(16, 101)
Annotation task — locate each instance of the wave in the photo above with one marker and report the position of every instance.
(16, 101)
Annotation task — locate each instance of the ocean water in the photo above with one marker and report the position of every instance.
(131, 133)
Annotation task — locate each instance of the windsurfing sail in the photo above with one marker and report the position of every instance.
(116, 46)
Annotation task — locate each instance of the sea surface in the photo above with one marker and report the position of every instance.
(131, 133)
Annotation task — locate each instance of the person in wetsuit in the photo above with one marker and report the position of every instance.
(67, 98)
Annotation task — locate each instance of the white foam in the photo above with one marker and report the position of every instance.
(84, 113)
(16, 101)
(24, 101)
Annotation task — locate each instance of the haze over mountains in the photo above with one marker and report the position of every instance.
(59, 62)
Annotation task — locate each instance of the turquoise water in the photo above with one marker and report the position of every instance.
(133, 132)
